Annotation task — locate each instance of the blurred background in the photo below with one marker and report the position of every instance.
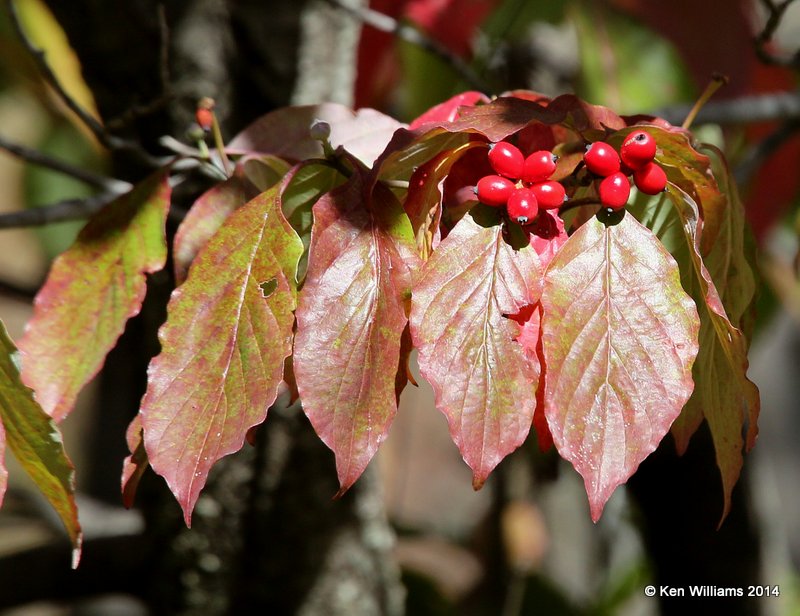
(267, 538)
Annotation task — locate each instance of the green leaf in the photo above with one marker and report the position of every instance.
(723, 285)
(91, 291)
(36, 442)
(350, 321)
(483, 381)
(223, 346)
(619, 337)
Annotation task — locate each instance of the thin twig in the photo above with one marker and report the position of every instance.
(742, 110)
(761, 151)
(101, 134)
(43, 160)
(409, 34)
(69, 209)
(775, 14)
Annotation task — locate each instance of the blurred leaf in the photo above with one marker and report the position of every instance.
(350, 321)
(134, 465)
(37, 445)
(223, 347)
(91, 291)
(619, 337)
(482, 380)
(619, 59)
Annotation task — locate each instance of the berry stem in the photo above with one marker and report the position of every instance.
(717, 81)
(220, 144)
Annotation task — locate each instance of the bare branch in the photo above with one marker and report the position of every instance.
(742, 110)
(69, 209)
(761, 151)
(775, 14)
(385, 23)
(43, 160)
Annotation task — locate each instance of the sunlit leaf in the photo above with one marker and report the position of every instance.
(619, 337)
(91, 291)
(223, 347)
(449, 109)
(483, 380)
(350, 320)
(36, 442)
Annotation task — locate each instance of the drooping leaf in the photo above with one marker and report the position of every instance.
(285, 132)
(723, 285)
(483, 381)
(91, 291)
(223, 346)
(36, 442)
(619, 337)
(350, 320)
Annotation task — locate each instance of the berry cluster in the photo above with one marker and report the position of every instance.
(635, 158)
(522, 184)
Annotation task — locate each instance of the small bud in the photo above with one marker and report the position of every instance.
(320, 130)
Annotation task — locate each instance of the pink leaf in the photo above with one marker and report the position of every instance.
(350, 321)
(619, 337)
(228, 331)
(482, 379)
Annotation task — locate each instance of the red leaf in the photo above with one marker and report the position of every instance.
(228, 331)
(448, 110)
(453, 23)
(91, 291)
(350, 320)
(483, 381)
(619, 336)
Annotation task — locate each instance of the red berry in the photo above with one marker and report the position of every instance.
(204, 118)
(650, 179)
(614, 191)
(538, 166)
(550, 195)
(506, 159)
(638, 149)
(522, 206)
(494, 190)
(601, 159)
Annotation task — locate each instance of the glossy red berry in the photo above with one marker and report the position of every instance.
(614, 191)
(549, 195)
(494, 190)
(522, 206)
(650, 179)
(539, 166)
(506, 159)
(638, 149)
(601, 159)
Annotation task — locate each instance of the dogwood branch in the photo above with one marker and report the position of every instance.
(43, 160)
(775, 12)
(742, 110)
(385, 23)
(69, 209)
